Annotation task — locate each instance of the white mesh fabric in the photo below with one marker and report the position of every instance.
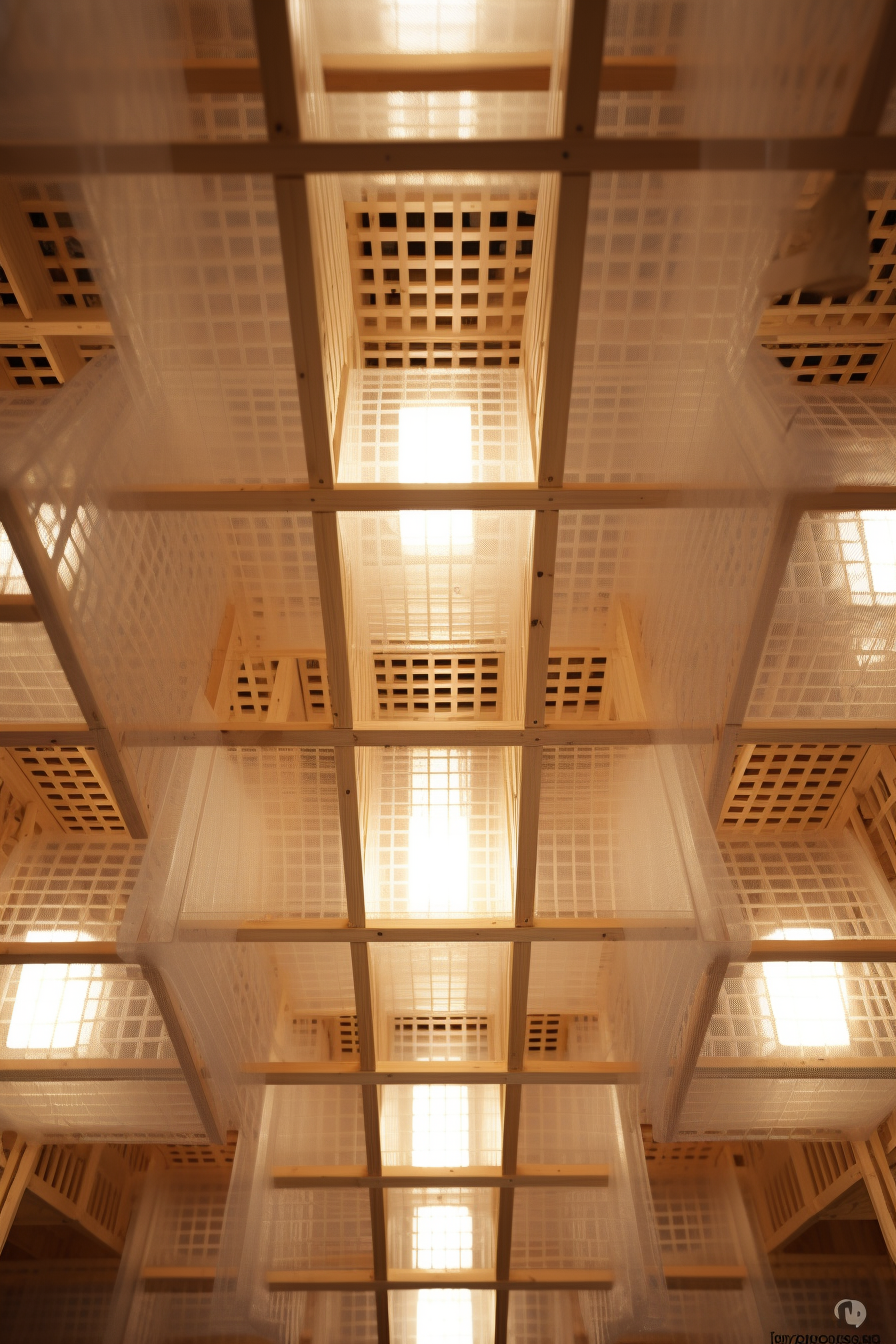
(56, 885)
(102, 1112)
(787, 1108)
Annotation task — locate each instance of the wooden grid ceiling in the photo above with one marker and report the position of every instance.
(790, 787)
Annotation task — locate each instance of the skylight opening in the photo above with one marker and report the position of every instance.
(434, 25)
(443, 1236)
(869, 552)
(445, 1316)
(440, 1126)
(54, 1004)
(438, 837)
(435, 447)
(808, 999)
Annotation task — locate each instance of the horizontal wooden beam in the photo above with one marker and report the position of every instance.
(839, 732)
(850, 950)
(604, 154)
(463, 71)
(435, 931)
(389, 733)
(16, 607)
(705, 1277)
(411, 1280)
(14, 326)
(59, 954)
(529, 1176)
(300, 498)
(866, 1066)
(89, 1070)
(348, 1072)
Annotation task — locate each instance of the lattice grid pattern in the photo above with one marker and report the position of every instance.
(830, 363)
(128, 1112)
(189, 1223)
(787, 787)
(33, 686)
(430, 684)
(73, 784)
(440, 1038)
(56, 885)
(431, 264)
(576, 682)
(876, 811)
(63, 242)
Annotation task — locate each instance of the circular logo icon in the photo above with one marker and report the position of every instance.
(850, 1311)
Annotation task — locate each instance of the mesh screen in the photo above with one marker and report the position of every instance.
(785, 1108)
(54, 1313)
(125, 1112)
(68, 886)
(33, 686)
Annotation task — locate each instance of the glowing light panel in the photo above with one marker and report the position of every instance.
(441, 1126)
(53, 1004)
(435, 446)
(807, 998)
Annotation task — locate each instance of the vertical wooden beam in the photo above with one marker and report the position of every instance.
(685, 1060)
(44, 585)
(776, 558)
(14, 1180)
(878, 1178)
(584, 60)
(874, 90)
(274, 39)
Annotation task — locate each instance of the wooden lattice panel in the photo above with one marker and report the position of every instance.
(199, 1156)
(441, 277)
(11, 815)
(73, 786)
(440, 1036)
(63, 247)
(315, 687)
(576, 685)
(546, 1035)
(344, 1037)
(689, 1159)
(877, 811)
(788, 787)
(280, 686)
(417, 685)
(837, 362)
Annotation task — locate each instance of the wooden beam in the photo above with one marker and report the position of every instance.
(432, 931)
(871, 100)
(446, 72)
(603, 154)
(849, 950)
(17, 607)
(770, 1067)
(408, 1280)
(687, 1058)
(20, 258)
(89, 1071)
(43, 583)
(530, 1176)
(702, 1278)
(348, 1072)
(875, 1169)
(838, 731)
(59, 954)
(19, 1168)
(53, 322)
(196, 1075)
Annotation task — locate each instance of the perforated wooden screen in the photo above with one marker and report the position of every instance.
(440, 1036)
(877, 811)
(73, 785)
(576, 685)
(466, 684)
(788, 787)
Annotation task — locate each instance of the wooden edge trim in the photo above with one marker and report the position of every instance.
(822, 950)
(89, 1070)
(15, 607)
(59, 954)
(868, 1066)
(362, 1280)
(530, 1175)
(348, 1072)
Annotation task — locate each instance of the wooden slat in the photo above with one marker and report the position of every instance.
(875, 1169)
(59, 954)
(347, 1072)
(89, 1070)
(702, 1278)
(364, 1281)
(17, 607)
(383, 733)
(64, 323)
(529, 1176)
(866, 1066)
(434, 931)
(44, 587)
(14, 1178)
(604, 154)
(859, 731)
(196, 1075)
(397, 72)
(850, 950)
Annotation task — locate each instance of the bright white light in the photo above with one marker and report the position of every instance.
(435, 447)
(870, 554)
(443, 1237)
(52, 1005)
(808, 1000)
(435, 25)
(438, 837)
(440, 1127)
(445, 1316)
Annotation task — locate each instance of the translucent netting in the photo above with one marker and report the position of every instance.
(98, 1111)
(143, 591)
(40, 1308)
(455, 582)
(808, 1291)
(33, 686)
(597, 563)
(564, 1229)
(415, 1317)
(426, 1227)
(607, 839)
(417, 979)
(316, 978)
(500, 448)
(67, 887)
(354, 26)
(319, 1229)
(346, 1318)
(716, 1317)
(272, 575)
(268, 841)
(437, 832)
(79, 1011)
(536, 1317)
(574, 978)
(818, 882)
(441, 1126)
(189, 1220)
(439, 116)
(319, 1126)
(785, 1108)
(830, 652)
(668, 308)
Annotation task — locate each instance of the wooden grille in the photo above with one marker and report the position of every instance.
(430, 265)
(199, 1156)
(837, 362)
(546, 1034)
(786, 787)
(428, 684)
(11, 814)
(344, 1038)
(280, 686)
(65, 250)
(72, 783)
(315, 687)
(688, 1158)
(576, 684)
(440, 1036)
(877, 810)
